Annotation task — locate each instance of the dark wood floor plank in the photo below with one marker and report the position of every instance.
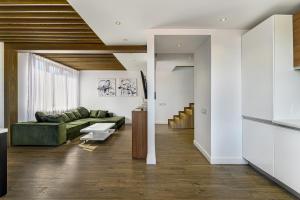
(69, 172)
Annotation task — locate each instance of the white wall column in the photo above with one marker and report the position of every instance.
(1, 84)
(151, 156)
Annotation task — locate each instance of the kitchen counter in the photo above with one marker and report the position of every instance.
(294, 123)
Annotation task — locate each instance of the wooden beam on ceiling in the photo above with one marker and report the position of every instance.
(87, 61)
(34, 2)
(39, 9)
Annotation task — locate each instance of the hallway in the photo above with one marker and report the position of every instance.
(108, 172)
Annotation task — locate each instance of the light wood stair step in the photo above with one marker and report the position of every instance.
(184, 119)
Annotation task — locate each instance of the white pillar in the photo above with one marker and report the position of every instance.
(151, 156)
(1, 85)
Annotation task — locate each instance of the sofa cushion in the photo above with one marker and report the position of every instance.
(77, 114)
(109, 114)
(71, 116)
(102, 113)
(65, 117)
(94, 113)
(54, 118)
(80, 122)
(83, 112)
(40, 116)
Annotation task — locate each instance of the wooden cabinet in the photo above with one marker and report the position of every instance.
(297, 40)
(139, 134)
(3, 162)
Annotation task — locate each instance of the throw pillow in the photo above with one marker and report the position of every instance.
(102, 113)
(109, 114)
(54, 118)
(40, 117)
(71, 116)
(94, 113)
(83, 112)
(77, 114)
(65, 117)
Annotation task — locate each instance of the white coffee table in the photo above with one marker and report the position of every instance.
(97, 132)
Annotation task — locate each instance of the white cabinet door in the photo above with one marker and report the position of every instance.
(287, 157)
(258, 145)
(257, 71)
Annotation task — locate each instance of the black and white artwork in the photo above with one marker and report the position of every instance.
(107, 87)
(127, 87)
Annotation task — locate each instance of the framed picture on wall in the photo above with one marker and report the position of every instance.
(107, 87)
(127, 87)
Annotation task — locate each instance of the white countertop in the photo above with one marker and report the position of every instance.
(295, 123)
(3, 130)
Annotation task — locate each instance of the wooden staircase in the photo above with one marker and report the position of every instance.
(184, 119)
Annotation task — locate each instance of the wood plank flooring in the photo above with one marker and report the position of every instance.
(69, 172)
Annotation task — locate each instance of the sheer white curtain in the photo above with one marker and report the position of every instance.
(52, 87)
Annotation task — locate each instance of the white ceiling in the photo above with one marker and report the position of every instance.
(136, 16)
(178, 44)
(133, 61)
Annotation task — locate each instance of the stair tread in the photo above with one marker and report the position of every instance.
(184, 119)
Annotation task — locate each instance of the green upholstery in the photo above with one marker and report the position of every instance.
(71, 115)
(38, 133)
(94, 113)
(83, 112)
(51, 134)
(65, 117)
(102, 113)
(77, 114)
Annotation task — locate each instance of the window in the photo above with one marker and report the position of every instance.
(52, 87)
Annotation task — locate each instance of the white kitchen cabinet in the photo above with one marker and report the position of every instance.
(258, 145)
(286, 157)
(270, 84)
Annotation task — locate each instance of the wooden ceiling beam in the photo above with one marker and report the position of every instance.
(87, 56)
(41, 21)
(51, 40)
(21, 27)
(47, 34)
(36, 9)
(75, 48)
(30, 15)
(34, 2)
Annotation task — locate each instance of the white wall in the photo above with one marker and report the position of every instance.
(202, 84)
(226, 129)
(226, 123)
(121, 106)
(1, 84)
(174, 86)
(22, 86)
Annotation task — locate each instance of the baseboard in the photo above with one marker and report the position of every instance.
(228, 161)
(203, 151)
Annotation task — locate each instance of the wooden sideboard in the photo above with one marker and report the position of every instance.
(3, 162)
(139, 134)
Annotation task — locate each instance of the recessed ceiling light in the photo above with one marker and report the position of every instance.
(118, 23)
(223, 19)
(179, 45)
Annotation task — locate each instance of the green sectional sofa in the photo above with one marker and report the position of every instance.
(53, 130)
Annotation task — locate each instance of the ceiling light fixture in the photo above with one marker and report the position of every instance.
(118, 23)
(179, 45)
(224, 19)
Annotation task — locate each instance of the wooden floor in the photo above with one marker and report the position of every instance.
(69, 172)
